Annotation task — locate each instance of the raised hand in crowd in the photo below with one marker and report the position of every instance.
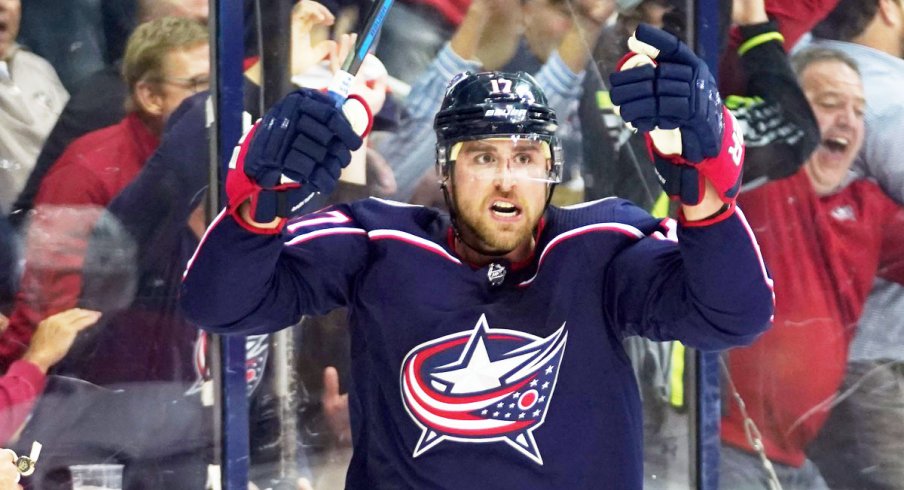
(9, 475)
(747, 12)
(588, 18)
(490, 32)
(335, 407)
(591, 14)
(55, 335)
(309, 45)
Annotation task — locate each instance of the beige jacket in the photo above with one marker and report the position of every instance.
(31, 99)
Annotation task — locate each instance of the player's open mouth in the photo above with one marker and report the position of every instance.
(836, 144)
(504, 209)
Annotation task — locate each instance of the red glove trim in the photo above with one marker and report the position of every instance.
(627, 56)
(254, 229)
(370, 114)
(240, 188)
(718, 218)
(724, 169)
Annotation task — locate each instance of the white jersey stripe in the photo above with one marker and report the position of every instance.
(588, 203)
(412, 240)
(325, 232)
(333, 218)
(616, 227)
(398, 204)
(213, 223)
(377, 235)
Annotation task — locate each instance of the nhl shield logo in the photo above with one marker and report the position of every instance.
(485, 385)
(496, 274)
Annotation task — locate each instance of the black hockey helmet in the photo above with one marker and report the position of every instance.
(484, 105)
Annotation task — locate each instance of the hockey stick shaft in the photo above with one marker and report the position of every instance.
(342, 80)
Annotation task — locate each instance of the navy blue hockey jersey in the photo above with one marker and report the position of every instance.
(504, 376)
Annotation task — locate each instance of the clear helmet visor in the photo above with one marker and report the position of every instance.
(521, 157)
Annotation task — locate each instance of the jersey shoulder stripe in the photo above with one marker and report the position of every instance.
(325, 232)
(621, 228)
(318, 218)
(375, 220)
(412, 240)
(216, 220)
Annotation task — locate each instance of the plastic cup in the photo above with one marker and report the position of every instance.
(96, 476)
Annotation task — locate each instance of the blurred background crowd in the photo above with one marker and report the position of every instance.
(104, 173)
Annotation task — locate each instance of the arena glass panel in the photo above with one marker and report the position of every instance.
(130, 390)
(105, 227)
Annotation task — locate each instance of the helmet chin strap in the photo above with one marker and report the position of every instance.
(453, 218)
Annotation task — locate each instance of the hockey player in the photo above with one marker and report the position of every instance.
(486, 344)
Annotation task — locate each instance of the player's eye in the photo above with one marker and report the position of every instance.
(485, 159)
(524, 159)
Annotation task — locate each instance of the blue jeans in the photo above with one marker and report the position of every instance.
(740, 470)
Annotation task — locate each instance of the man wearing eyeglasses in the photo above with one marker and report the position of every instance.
(96, 100)
(166, 60)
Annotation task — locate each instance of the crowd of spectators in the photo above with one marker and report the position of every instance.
(104, 172)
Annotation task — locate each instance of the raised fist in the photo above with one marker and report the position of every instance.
(298, 149)
(664, 89)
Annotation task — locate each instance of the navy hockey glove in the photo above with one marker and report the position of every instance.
(692, 137)
(298, 149)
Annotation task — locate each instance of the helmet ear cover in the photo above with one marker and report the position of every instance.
(494, 104)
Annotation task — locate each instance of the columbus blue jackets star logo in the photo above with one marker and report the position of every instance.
(486, 385)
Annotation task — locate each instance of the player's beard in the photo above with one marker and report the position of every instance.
(487, 241)
(487, 237)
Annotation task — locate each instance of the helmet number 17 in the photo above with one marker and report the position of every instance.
(501, 85)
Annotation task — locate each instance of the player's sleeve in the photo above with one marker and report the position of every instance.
(710, 290)
(241, 282)
(149, 216)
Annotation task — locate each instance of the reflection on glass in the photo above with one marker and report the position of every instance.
(803, 408)
(106, 224)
